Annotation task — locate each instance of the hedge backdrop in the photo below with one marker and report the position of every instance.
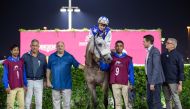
(81, 98)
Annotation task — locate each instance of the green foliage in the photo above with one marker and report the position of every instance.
(140, 88)
(81, 98)
(2, 91)
(185, 95)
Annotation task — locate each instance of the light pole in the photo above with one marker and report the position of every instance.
(69, 9)
(188, 41)
(188, 29)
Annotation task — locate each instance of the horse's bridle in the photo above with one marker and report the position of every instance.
(95, 44)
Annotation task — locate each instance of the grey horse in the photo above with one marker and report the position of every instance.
(96, 50)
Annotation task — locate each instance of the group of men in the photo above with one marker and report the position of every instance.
(29, 74)
(163, 72)
(32, 72)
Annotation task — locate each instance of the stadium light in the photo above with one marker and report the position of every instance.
(69, 9)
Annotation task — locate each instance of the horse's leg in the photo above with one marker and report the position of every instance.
(92, 90)
(105, 87)
(105, 96)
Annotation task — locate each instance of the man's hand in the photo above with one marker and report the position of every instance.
(8, 90)
(45, 84)
(81, 66)
(130, 87)
(48, 78)
(49, 84)
(25, 88)
(1, 61)
(152, 88)
(113, 50)
(179, 88)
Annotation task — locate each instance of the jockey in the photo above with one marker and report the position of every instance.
(102, 30)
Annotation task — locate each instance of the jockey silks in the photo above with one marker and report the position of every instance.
(106, 34)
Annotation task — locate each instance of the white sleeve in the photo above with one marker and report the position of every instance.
(90, 35)
(108, 39)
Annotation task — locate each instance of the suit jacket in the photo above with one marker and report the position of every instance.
(155, 72)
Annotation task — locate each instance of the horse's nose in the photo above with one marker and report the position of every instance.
(109, 59)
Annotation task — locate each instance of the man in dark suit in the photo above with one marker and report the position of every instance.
(154, 73)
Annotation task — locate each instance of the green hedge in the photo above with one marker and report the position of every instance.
(81, 98)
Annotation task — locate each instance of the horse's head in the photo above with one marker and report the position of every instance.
(99, 50)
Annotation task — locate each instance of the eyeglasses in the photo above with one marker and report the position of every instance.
(167, 43)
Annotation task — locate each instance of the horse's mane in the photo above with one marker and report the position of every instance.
(89, 61)
(88, 55)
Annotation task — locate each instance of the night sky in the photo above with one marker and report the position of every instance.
(172, 16)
